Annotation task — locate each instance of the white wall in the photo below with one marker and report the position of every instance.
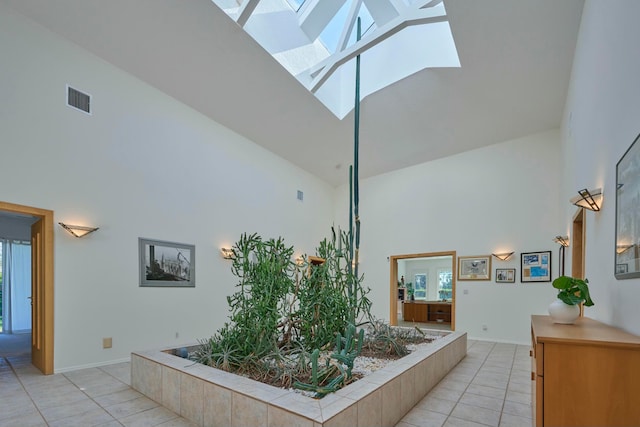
(601, 122)
(143, 165)
(496, 199)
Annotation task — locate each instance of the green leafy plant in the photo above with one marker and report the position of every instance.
(573, 291)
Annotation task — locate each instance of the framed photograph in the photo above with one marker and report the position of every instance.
(535, 266)
(166, 264)
(628, 213)
(474, 267)
(622, 268)
(505, 275)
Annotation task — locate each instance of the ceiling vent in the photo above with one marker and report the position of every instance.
(78, 100)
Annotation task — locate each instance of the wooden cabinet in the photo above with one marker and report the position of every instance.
(586, 374)
(427, 311)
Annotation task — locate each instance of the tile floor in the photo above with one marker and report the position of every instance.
(490, 387)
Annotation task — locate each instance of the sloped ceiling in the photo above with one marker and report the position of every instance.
(516, 61)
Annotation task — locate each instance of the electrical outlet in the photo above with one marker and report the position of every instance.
(107, 342)
(484, 327)
(177, 335)
(466, 291)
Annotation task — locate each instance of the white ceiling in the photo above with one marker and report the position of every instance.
(516, 58)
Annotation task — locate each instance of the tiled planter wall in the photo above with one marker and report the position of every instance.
(211, 397)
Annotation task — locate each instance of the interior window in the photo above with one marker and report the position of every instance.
(420, 286)
(445, 278)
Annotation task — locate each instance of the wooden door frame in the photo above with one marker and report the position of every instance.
(578, 245)
(46, 293)
(393, 283)
(578, 240)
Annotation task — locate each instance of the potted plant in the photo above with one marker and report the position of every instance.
(571, 293)
(411, 291)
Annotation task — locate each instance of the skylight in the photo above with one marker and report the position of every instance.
(315, 41)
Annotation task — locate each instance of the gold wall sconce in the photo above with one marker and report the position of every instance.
(503, 256)
(227, 253)
(620, 249)
(562, 240)
(588, 199)
(77, 230)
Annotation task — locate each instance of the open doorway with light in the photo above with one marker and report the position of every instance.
(422, 290)
(37, 298)
(15, 284)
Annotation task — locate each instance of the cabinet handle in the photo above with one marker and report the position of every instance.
(533, 376)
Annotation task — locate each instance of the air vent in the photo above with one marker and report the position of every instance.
(78, 100)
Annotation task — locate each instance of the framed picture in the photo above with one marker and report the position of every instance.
(535, 266)
(505, 275)
(166, 264)
(628, 213)
(474, 267)
(622, 268)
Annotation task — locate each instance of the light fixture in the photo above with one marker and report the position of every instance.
(562, 240)
(503, 256)
(227, 253)
(78, 230)
(588, 199)
(620, 249)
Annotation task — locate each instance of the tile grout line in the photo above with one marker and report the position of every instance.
(15, 373)
(474, 376)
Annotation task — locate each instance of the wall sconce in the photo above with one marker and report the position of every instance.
(227, 253)
(503, 256)
(588, 199)
(562, 240)
(620, 249)
(77, 230)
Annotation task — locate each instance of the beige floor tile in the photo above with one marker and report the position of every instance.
(515, 396)
(492, 376)
(476, 414)
(92, 418)
(459, 422)
(483, 390)
(422, 418)
(131, 407)
(55, 413)
(509, 420)
(434, 404)
(482, 401)
(32, 419)
(152, 417)
(519, 409)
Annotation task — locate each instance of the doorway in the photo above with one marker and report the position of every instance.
(578, 243)
(434, 275)
(15, 274)
(41, 292)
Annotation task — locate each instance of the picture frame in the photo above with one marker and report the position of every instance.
(627, 250)
(166, 264)
(474, 267)
(505, 275)
(535, 266)
(622, 268)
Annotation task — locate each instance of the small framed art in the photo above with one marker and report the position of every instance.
(505, 275)
(535, 266)
(474, 267)
(166, 264)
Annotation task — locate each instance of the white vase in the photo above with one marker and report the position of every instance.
(563, 313)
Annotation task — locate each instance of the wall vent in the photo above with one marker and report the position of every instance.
(78, 100)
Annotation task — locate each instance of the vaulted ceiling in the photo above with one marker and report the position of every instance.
(515, 57)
